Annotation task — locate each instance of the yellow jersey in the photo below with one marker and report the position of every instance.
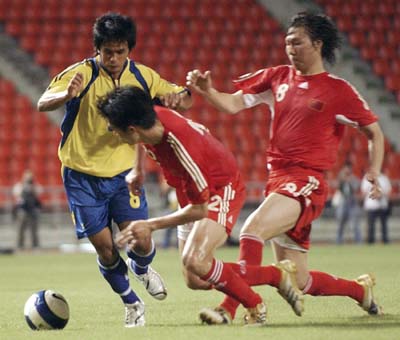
(86, 145)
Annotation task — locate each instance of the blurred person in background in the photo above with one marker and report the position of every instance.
(27, 208)
(377, 208)
(309, 108)
(346, 203)
(170, 200)
(96, 165)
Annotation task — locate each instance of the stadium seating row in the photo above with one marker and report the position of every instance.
(56, 35)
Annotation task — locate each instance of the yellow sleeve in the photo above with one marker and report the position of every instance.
(60, 81)
(158, 86)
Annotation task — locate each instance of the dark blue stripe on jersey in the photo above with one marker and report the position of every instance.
(138, 75)
(72, 106)
(47, 315)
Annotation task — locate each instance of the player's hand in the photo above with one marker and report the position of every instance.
(171, 100)
(376, 191)
(135, 179)
(136, 231)
(75, 85)
(199, 82)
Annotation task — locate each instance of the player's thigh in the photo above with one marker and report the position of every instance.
(276, 215)
(300, 258)
(126, 207)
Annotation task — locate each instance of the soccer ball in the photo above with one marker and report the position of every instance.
(46, 310)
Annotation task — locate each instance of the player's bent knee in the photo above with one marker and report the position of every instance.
(193, 265)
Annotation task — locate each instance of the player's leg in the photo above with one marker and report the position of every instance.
(318, 283)
(198, 258)
(126, 207)
(277, 213)
(192, 280)
(91, 218)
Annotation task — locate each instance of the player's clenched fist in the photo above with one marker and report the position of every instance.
(75, 85)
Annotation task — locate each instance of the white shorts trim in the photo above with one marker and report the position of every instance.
(286, 242)
(184, 230)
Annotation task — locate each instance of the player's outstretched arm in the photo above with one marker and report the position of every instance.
(50, 101)
(202, 84)
(376, 153)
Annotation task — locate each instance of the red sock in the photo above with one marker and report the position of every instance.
(324, 284)
(250, 252)
(227, 281)
(258, 275)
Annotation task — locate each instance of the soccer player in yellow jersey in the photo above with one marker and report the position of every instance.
(96, 165)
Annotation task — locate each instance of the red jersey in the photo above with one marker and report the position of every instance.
(308, 113)
(192, 160)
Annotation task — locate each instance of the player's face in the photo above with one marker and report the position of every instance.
(129, 136)
(302, 52)
(113, 56)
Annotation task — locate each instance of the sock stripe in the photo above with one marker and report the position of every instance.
(113, 266)
(216, 274)
(127, 292)
(251, 237)
(308, 284)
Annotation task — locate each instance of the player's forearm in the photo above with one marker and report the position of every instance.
(52, 101)
(225, 102)
(375, 146)
(190, 213)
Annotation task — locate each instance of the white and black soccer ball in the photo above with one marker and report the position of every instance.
(46, 310)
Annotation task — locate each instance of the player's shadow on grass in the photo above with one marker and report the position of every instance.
(384, 321)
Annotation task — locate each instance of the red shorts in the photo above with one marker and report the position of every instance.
(306, 186)
(225, 203)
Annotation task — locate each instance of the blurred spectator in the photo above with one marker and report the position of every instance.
(346, 203)
(377, 208)
(26, 209)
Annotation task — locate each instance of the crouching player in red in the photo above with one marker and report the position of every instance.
(209, 188)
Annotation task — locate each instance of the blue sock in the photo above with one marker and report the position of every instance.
(141, 263)
(117, 276)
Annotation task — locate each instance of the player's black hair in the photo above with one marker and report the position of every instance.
(319, 27)
(114, 27)
(128, 105)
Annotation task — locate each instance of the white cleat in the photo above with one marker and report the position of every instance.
(134, 314)
(151, 280)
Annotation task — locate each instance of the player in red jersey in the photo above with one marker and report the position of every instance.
(209, 188)
(309, 108)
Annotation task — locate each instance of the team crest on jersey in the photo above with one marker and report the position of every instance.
(316, 105)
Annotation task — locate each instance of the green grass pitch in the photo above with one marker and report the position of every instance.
(97, 313)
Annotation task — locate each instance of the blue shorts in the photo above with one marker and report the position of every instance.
(97, 201)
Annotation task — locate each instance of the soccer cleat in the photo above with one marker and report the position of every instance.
(369, 304)
(151, 280)
(134, 314)
(288, 288)
(256, 316)
(216, 316)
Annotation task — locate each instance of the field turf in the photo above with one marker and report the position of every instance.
(97, 313)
